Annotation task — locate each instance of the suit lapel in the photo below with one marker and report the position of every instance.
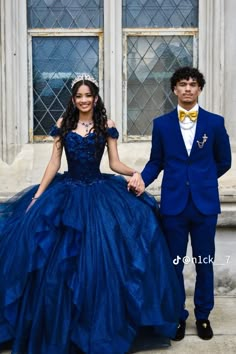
(200, 131)
(177, 132)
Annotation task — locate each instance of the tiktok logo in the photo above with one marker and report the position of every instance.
(176, 260)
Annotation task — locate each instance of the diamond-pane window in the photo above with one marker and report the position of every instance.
(56, 61)
(160, 13)
(65, 13)
(151, 60)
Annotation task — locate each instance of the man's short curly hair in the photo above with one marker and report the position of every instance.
(185, 73)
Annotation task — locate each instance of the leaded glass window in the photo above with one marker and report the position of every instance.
(56, 61)
(160, 13)
(65, 13)
(151, 60)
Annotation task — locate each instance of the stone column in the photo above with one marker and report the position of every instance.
(13, 78)
(217, 59)
(229, 89)
(113, 60)
(211, 53)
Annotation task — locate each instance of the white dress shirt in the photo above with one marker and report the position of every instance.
(188, 128)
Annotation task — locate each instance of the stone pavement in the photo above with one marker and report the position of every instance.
(223, 320)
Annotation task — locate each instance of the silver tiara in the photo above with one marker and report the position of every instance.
(82, 77)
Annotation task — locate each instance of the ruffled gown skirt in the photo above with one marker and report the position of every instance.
(84, 267)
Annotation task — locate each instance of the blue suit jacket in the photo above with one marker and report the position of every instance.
(196, 174)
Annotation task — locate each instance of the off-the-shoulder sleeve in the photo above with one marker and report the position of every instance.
(113, 133)
(55, 131)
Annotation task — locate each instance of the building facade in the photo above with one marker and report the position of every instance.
(132, 48)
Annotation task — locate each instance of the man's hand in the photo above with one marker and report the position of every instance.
(136, 184)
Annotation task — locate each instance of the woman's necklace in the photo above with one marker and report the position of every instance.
(86, 125)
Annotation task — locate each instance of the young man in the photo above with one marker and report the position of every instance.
(192, 147)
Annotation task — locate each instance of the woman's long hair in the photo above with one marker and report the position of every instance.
(71, 115)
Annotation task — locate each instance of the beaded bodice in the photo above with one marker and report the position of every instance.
(84, 153)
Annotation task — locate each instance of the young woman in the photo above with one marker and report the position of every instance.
(83, 262)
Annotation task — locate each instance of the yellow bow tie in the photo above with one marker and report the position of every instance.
(191, 115)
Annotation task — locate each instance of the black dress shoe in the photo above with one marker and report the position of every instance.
(204, 329)
(180, 333)
(5, 346)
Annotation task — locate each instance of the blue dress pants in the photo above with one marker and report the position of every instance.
(201, 229)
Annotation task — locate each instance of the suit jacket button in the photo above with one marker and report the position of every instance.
(187, 183)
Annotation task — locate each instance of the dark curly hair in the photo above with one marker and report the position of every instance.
(185, 73)
(71, 115)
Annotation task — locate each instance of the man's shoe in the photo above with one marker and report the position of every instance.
(204, 329)
(5, 346)
(180, 333)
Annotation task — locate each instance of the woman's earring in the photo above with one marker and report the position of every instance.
(95, 103)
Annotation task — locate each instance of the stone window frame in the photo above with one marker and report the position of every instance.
(52, 33)
(210, 56)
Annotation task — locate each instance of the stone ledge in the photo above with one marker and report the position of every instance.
(227, 218)
(227, 193)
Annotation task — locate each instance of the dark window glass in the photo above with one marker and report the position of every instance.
(56, 61)
(65, 13)
(150, 64)
(160, 13)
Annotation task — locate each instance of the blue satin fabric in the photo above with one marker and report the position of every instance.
(87, 265)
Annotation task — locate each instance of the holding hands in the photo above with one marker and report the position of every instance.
(136, 184)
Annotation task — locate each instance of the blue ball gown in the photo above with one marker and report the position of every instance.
(87, 265)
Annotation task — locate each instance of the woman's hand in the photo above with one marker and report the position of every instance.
(34, 199)
(136, 184)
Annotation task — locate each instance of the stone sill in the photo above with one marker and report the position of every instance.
(227, 218)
